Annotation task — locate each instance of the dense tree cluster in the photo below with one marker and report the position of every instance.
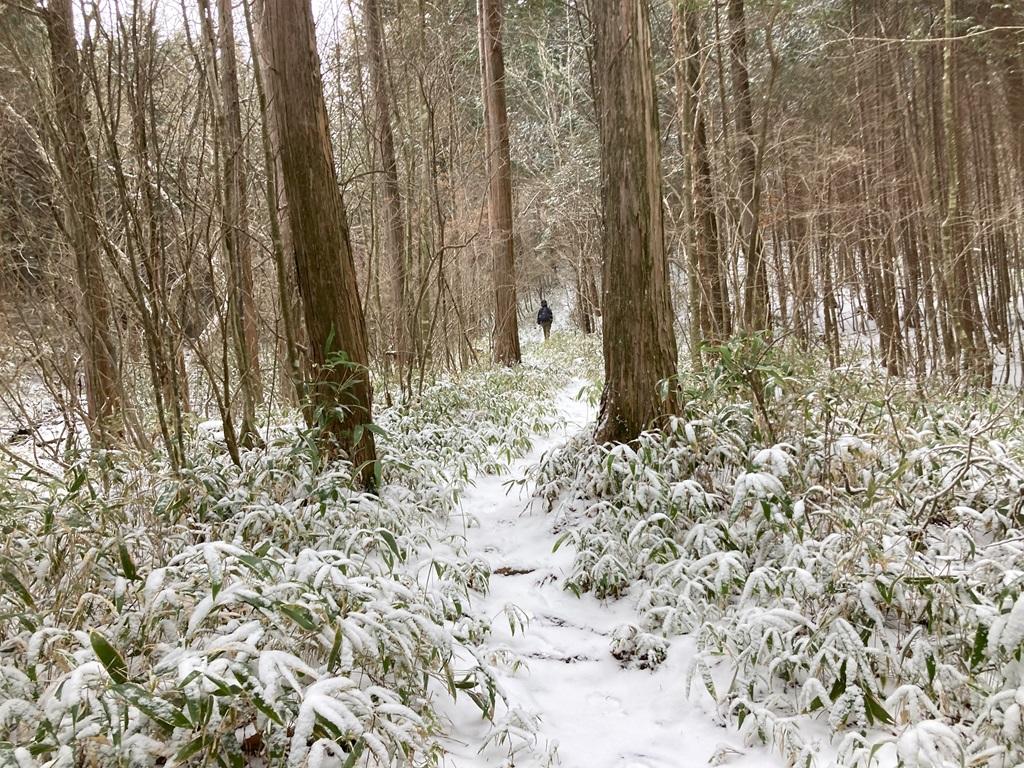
(213, 207)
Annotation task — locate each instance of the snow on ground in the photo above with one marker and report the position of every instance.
(592, 711)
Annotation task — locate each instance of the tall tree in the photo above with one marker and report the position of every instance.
(277, 221)
(755, 287)
(710, 319)
(499, 172)
(639, 340)
(962, 290)
(394, 224)
(340, 390)
(237, 241)
(81, 223)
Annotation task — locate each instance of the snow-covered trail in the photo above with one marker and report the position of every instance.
(596, 713)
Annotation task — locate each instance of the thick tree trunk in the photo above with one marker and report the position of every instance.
(81, 216)
(341, 392)
(639, 340)
(280, 237)
(499, 195)
(237, 242)
(393, 224)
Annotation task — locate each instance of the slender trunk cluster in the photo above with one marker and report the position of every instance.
(972, 348)
(710, 316)
(235, 228)
(82, 226)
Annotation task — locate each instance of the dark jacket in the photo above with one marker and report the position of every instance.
(544, 316)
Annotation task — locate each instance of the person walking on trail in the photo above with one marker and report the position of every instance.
(544, 318)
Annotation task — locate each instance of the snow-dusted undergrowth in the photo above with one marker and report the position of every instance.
(848, 554)
(268, 613)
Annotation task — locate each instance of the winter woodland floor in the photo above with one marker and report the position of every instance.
(831, 580)
(590, 711)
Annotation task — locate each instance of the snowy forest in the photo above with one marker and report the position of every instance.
(496, 383)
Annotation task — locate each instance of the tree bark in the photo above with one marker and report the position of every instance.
(710, 299)
(393, 225)
(81, 216)
(973, 353)
(755, 287)
(280, 238)
(340, 390)
(499, 195)
(639, 339)
(237, 241)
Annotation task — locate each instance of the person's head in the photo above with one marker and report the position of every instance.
(543, 303)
